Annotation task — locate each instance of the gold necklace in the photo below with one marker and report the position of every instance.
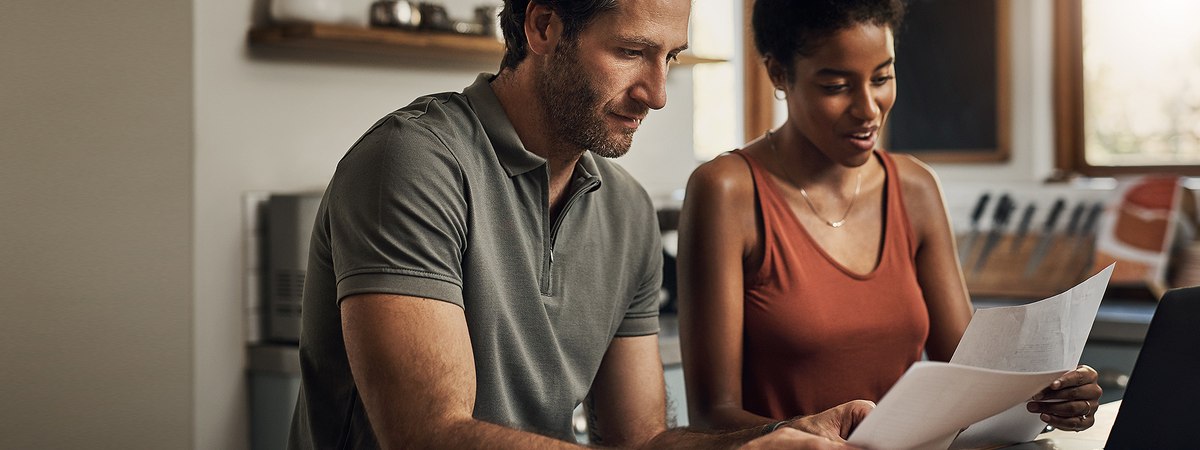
(833, 223)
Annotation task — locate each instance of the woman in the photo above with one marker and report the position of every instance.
(815, 268)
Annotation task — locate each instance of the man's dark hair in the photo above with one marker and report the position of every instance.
(785, 29)
(575, 15)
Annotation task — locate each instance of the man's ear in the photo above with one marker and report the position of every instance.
(543, 28)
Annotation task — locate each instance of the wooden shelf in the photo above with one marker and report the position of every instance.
(393, 42)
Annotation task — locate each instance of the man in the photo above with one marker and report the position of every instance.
(476, 271)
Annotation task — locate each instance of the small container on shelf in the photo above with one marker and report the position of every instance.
(396, 14)
(314, 11)
(488, 17)
(336, 12)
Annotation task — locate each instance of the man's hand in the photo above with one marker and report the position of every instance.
(1070, 401)
(825, 430)
(790, 438)
(835, 423)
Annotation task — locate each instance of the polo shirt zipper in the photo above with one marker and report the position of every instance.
(548, 266)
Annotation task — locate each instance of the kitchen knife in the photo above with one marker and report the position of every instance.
(1047, 238)
(1004, 209)
(1071, 233)
(976, 214)
(1023, 227)
(1073, 222)
(1087, 231)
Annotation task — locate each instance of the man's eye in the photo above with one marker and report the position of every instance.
(880, 81)
(631, 52)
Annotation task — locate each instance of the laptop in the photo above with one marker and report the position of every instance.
(1161, 407)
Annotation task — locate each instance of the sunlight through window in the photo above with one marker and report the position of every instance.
(716, 90)
(1141, 69)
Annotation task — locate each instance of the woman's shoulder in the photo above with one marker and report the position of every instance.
(917, 180)
(727, 175)
(919, 186)
(720, 201)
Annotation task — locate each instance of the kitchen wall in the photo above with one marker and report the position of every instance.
(131, 131)
(96, 235)
(1032, 116)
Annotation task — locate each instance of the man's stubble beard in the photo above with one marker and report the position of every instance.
(572, 107)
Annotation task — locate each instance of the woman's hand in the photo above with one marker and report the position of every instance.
(1070, 401)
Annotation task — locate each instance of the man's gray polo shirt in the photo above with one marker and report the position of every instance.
(440, 200)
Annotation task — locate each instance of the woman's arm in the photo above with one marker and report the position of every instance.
(1068, 402)
(717, 231)
(938, 270)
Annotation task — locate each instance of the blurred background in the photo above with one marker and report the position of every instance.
(144, 145)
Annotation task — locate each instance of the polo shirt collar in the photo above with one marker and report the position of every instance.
(509, 149)
(512, 154)
(586, 171)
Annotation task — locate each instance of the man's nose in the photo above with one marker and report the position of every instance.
(651, 89)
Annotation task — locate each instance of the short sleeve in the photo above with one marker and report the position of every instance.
(642, 316)
(398, 215)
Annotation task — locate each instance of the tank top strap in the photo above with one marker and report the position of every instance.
(764, 189)
(774, 211)
(897, 222)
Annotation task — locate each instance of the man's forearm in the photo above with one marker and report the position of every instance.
(476, 434)
(728, 418)
(691, 439)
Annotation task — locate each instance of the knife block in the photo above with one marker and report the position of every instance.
(1067, 262)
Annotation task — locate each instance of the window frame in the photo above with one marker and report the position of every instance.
(1070, 155)
(757, 92)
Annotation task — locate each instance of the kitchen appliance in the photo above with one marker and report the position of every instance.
(290, 219)
(274, 372)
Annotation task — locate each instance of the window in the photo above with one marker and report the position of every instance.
(714, 103)
(1127, 84)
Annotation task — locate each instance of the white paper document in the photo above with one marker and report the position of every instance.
(1042, 336)
(934, 400)
(1006, 355)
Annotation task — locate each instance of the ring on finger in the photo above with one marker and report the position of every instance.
(1087, 407)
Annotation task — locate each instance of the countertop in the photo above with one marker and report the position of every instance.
(1091, 438)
